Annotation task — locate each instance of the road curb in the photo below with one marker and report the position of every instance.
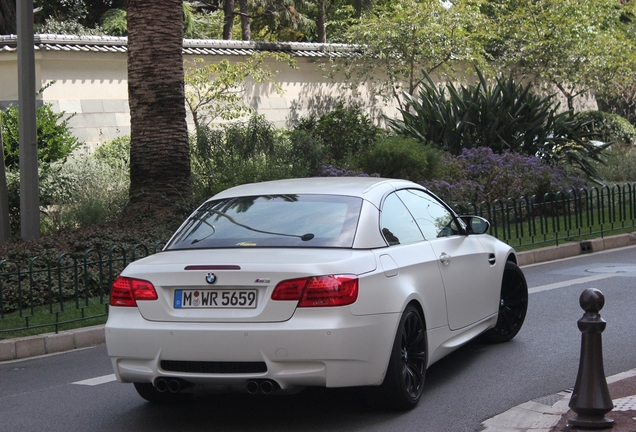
(571, 249)
(50, 343)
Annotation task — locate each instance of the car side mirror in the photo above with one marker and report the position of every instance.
(476, 224)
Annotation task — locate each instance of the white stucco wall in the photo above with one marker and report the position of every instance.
(92, 87)
(8, 77)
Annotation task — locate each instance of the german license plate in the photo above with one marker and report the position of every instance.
(218, 299)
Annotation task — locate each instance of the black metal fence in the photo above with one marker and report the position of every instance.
(43, 295)
(551, 219)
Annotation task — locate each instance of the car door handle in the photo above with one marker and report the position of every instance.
(445, 258)
(491, 259)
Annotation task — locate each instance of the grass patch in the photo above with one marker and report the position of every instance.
(43, 320)
(555, 230)
(552, 240)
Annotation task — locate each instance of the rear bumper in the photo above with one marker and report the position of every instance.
(316, 347)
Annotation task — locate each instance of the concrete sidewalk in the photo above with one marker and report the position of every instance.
(551, 413)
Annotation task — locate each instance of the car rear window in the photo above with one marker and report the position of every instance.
(271, 221)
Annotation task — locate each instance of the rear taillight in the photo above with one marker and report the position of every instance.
(126, 291)
(318, 291)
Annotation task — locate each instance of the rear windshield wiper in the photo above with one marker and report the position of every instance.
(304, 237)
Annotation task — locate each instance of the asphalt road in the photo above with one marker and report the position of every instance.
(74, 391)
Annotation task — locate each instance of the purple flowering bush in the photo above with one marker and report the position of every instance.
(331, 171)
(478, 175)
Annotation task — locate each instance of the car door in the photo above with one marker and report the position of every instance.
(409, 264)
(467, 268)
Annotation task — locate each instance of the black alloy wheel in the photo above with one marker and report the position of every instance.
(404, 381)
(413, 354)
(513, 305)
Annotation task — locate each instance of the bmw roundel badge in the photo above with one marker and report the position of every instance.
(210, 278)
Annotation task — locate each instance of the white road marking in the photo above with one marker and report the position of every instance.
(570, 283)
(97, 381)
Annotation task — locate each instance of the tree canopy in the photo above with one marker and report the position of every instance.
(402, 39)
(216, 90)
(565, 43)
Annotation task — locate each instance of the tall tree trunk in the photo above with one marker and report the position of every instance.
(228, 24)
(246, 31)
(7, 17)
(159, 150)
(321, 28)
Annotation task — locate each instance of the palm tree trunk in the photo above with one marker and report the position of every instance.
(7, 17)
(159, 150)
(228, 25)
(246, 31)
(321, 28)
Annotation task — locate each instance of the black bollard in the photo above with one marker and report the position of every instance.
(590, 398)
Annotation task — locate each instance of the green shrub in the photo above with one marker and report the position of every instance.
(344, 132)
(13, 194)
(115, 153)
(609, 127)
(619, 166)
(622, 104)
(70, 247)
(234, 154)
(89, 191)
(243, 152)
(54, 138)
(306, 153)
(48, 189)
(251, 138)
(401, 157)
(78, 190)
(502, 116)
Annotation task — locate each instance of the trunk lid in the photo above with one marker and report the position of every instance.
(235, 285)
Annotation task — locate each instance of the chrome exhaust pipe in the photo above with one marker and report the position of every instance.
(174, 386)
(161, 385)
(264, 387)
(253, 387)
(267, 387)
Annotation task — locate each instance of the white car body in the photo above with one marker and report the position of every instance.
(453, 281)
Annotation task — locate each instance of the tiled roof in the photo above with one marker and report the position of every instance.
(50, 42)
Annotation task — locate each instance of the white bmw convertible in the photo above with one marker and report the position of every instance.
(334, 282)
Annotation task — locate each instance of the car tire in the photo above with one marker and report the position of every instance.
(404, 381)
(513, 305)
(151, 394)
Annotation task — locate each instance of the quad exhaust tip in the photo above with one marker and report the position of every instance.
(254, 387)
(263, 387)
(171, 385)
